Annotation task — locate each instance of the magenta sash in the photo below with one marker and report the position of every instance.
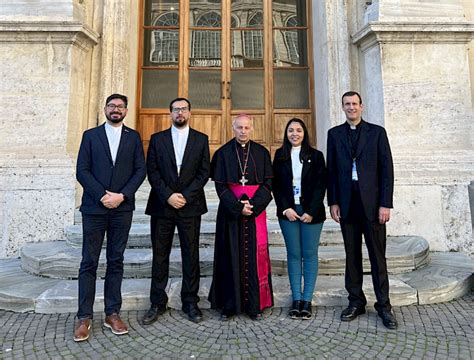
(263, 260)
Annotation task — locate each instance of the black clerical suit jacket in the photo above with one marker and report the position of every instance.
(97, 173)
(164, 179)
(313, 185)
(374, 169)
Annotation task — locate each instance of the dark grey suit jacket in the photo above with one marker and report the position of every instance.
(97, 173)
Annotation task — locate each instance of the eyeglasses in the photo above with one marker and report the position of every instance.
(178, 109)
(113, 107)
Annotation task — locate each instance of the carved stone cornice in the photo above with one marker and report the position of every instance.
(409, 32)
(43, 32)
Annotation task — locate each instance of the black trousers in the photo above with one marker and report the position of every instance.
(162, 231)
(375, 237)
(117, 226)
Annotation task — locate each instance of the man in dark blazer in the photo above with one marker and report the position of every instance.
(178, 168)
(110, 168)
(360, 194)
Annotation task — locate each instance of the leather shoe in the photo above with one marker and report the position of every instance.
(152, 314)
(226, 315)
(306, 312)
(294, 312)
(388, 319)
(115, 323)
(194, 314)
(81, 331)
(256, 317)
(351, 312)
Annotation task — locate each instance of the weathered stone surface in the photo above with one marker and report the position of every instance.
(59, 260)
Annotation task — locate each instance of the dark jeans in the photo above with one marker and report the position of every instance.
(162, 232)
(117, 226)
(375, 237)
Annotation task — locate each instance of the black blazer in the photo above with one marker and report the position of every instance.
(374, 169)
(313, 185)
(96, 172)
(163, 174)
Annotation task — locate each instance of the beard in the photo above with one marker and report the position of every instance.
(180, 122)
(115, 120)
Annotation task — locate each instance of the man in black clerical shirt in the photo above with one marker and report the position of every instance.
(360, 195)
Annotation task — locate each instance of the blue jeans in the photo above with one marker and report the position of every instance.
(302, 242)
(117, 226)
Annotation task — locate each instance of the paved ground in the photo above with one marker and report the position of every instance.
(444, 331)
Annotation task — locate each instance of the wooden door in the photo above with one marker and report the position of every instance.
(228, 57)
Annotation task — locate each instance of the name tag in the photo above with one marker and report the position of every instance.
(354, 171)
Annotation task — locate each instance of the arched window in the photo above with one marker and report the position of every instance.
(206, 44)
(253, 39)
(291, 41)
(165, 43)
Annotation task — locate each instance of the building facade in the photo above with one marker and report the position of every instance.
(410, 59)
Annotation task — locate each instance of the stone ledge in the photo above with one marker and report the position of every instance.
(24, 292)
(58, 260)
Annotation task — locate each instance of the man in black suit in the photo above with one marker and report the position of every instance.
(110, 168)
(178, 168)
(360, 194)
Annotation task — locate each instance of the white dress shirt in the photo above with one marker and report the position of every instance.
(114, 133)
(180, 138)
(297, 168)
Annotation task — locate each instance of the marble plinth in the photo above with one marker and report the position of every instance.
(59, 260)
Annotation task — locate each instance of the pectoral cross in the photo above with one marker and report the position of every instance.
(243, 180)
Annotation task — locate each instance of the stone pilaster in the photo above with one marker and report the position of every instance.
(415, 72)
(44, 50)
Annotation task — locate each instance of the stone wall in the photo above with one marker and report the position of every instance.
(44, 52)
(416, 76)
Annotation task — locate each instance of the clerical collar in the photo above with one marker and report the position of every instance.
(242, 145)
(354, 127)
(180, 130)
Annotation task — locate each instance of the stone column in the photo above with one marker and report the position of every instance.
(415, 72)
(44, 49)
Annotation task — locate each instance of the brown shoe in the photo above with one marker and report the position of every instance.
(114, 323)
(81, 332)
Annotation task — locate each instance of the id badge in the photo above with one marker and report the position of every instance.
(296, 190)
(354, 171)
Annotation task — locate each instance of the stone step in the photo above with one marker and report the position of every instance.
(59, 260)
(139, 236)
(448, 276)
(139, 216)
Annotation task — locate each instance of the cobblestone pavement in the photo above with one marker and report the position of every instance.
(442, 331)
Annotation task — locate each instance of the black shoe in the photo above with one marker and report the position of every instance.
(256, 317)
(306, 312)
(351, 312)
(294, 312)
(152, 314)
(194, 314)
(388, 319)
(226, 315)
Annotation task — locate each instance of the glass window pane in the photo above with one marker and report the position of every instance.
(247, 13)
(205, 13)
(161, 12)
(205, 48)
(159, 87)
(290, 48)
(291, 88)
(205, 89)
(288, 13)
(247, 89)
(247, 48)
(161, 48)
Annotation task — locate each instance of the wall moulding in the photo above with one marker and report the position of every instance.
(402, 32)
(43, 32)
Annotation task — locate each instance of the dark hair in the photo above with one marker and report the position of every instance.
(180, 99)
(305, 152)
(351, 93)
(117, 96)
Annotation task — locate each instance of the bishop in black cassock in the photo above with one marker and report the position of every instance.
(242, 172)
